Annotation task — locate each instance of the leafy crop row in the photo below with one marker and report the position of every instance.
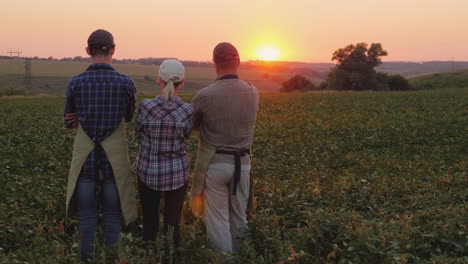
(340, 178)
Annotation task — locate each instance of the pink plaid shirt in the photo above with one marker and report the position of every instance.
(163, 129)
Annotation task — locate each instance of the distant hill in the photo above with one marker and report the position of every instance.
(456, 79)
(321, 70)
(51, 76)
(412, 69)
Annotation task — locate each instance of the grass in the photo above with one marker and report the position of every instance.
(457, 79)
(356, 177)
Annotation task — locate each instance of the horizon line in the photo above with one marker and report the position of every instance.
(210, 62)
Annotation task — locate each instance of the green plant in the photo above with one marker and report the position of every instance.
(356, 177)
(13, 91)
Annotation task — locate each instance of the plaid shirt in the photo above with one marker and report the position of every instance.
(163, 129)
(102, 98)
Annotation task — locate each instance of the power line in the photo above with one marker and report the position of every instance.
(17, 53)
(453, 64)
(27, 67)
(27, 73)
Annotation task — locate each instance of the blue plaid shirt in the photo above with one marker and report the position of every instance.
(163, 129)
(102, 98)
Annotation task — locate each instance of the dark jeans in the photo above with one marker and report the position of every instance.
(88, 213)
(173, 202)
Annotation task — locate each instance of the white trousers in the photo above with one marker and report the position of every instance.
(225, 214)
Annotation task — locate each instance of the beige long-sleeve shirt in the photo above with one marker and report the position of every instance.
(225, 112)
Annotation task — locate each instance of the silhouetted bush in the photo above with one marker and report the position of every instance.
(297, 83)
(398, 83)
(323, 85)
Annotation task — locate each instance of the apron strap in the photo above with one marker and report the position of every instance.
(237, 165)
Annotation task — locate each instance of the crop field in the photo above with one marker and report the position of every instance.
(352, 177)
(52, 77)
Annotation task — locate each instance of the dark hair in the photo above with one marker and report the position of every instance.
(99, 49)
(230, 64)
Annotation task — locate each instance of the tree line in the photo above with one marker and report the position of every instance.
(354, 70)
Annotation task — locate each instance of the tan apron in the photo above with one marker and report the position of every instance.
(204, 155)
(116, 149)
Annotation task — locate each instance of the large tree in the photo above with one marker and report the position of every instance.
(355, 67)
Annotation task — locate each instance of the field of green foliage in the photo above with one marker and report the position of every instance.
(456, 79)
(352, 177)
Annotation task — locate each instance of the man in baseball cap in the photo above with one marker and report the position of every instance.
(225, 53)
(100, 42)
(99, 101)
(225, 113)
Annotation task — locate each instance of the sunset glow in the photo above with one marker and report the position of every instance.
(268, 53)
(299, 30)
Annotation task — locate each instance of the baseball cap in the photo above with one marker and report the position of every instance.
(171, 70)
(101, 37)
(224, 52)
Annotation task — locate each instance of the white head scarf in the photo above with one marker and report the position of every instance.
(171, 71)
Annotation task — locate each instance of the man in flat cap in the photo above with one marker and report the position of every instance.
(99, 102)
(225, 113)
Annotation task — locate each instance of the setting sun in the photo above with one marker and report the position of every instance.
(268, 53)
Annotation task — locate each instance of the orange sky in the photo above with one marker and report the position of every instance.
(302, 30)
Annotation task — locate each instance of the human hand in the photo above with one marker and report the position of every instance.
(71, 119)
(196, 203)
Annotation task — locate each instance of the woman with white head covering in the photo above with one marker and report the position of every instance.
(171, 77)
(163, 128)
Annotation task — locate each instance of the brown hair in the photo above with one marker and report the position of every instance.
(227, 65)
(99, 49)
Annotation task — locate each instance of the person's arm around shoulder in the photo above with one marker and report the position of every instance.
(197, 115)
(188, 129)
(140, 120)
(132, 101)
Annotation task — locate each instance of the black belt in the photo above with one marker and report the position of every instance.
(237, 165)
